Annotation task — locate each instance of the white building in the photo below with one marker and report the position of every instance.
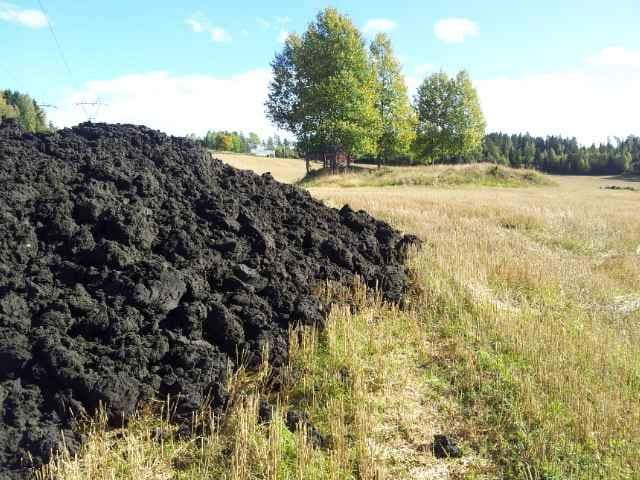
(261, 151)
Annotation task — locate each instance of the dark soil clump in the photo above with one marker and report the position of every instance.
(132, 267)
(446, 447)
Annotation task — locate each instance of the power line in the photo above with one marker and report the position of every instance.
(55, 39)
(97, 104)
(60, 51)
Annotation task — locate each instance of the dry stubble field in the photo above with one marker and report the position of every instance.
(532, 297)
(522, 340)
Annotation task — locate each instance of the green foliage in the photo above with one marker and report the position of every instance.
(22, 107)
(562, 155)
(6, 110)
(237, 142)
(450, 121)
(231, 141)
(284, 148)
(253, 140)
(428, 176)
(396, 114)
(324, 89)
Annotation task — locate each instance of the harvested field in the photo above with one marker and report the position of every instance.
(134, 267)
(287, 170)
(531, 299)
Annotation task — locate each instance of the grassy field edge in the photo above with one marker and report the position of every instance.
(471, 175)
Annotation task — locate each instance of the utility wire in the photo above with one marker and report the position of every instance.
(60, 51)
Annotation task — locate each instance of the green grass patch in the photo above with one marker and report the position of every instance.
(532, 423)
(485, 175)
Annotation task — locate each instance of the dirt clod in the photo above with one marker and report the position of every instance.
(133, 267)
(297, 419)
(446, 447)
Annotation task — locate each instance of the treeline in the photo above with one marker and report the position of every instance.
(231, 141)
(561, 155)
(282, 148)
(24, 109)
(237, 142)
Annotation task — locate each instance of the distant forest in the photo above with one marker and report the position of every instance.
(561, 155)
(552, 154)
(237, 142)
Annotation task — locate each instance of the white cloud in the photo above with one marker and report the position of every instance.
(412, 82)
(377, 25)
(196, 25)
(264, 23)
(199, 24)
(455, 30)
(416, 77)
(615, 56)
(588, 105)
(27, 17)
(282, 36)
(176, 104)
(219, 35)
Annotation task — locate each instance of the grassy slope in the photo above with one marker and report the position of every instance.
(431, 176)
(523, 339)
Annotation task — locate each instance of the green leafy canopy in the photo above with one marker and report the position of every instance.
(450, 120)
(324, 88)
(392, 102)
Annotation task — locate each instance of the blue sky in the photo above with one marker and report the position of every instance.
(549, 67)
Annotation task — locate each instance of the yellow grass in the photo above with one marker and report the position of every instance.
(533, 299)
(522, 339)
(288, 170)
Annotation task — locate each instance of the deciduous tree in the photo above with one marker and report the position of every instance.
(25, 109)
(6, 110)
(450, 120)
(397, 117)
(324, 88)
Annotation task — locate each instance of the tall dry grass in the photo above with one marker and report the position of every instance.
(364, 383)
(533, 298)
